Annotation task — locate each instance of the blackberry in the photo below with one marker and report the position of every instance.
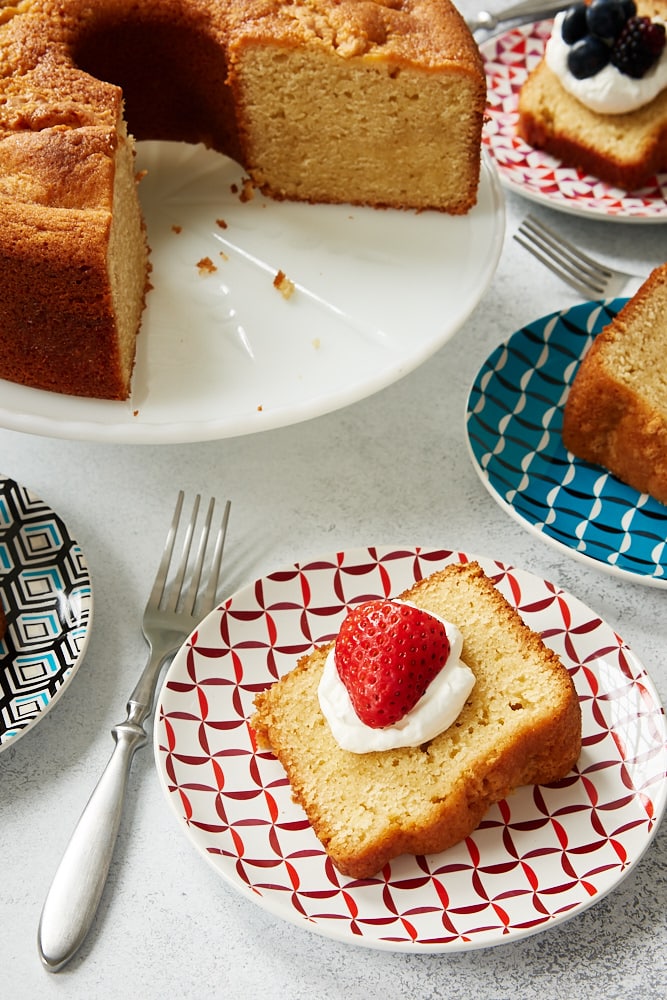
(638, 46)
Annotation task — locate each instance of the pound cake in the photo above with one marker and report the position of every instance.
(372, 103)
(598, 98)
(616, 410)
(520, 724)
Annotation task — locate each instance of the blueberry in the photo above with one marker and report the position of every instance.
(587, 57)
(605, 18)
(574, 23)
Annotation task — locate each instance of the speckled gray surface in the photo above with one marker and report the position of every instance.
(391, 468)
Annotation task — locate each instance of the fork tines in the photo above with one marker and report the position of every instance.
(183, 591)
(588, 276)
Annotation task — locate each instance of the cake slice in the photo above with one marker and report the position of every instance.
(624, 150)
(616, 411)
(520, 725)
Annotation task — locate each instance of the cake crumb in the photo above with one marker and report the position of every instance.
(221, 223)
(316, 343)
(248, 191)
(223, 255)
(260, 408)
(177, 229)
(206, 266)
(284, 285)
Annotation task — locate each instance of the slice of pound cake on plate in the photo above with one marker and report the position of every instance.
(598, 98)
(399, 735)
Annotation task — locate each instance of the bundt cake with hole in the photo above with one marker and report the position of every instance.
(616, 410)
(373, 103)
(521, 724)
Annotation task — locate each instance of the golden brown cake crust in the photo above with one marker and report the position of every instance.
(185, 70)
(63, 155)
(519, 726)
(616, 411)
(423, 33)
(624, 150)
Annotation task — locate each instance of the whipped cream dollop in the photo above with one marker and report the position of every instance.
(436, 710)
(608, 92)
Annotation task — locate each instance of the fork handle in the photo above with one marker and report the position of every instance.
(535, 10)
(76, 890)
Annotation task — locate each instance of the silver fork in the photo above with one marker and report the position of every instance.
(536, 9)
(174, 609)
(588, 276)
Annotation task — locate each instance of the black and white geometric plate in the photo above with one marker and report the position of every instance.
(48, 603)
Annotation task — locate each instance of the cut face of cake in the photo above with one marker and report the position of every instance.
(519, 723)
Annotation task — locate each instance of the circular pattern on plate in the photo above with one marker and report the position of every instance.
(47, 597)
(222, 353)
(514, 424)
(536, 859)
(508, 59)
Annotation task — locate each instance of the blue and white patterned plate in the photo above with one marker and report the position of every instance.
(514, 422)
(48, 603)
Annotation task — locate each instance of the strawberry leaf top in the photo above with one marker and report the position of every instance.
(387, 653)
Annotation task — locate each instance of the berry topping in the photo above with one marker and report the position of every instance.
(386, 655)
(607, 31)
(587, 57)
(638, 46)
(605, 18)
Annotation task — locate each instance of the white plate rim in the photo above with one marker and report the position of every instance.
(50, 415)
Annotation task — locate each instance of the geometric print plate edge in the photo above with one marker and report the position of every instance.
(509, 58)
(47, 598)
(536, 859)
(514, 433)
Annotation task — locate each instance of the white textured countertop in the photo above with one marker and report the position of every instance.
(393, 468)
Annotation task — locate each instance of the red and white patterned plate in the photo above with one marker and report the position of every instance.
(536, 859)
(509, 58)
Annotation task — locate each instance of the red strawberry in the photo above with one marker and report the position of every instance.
(387, 654)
